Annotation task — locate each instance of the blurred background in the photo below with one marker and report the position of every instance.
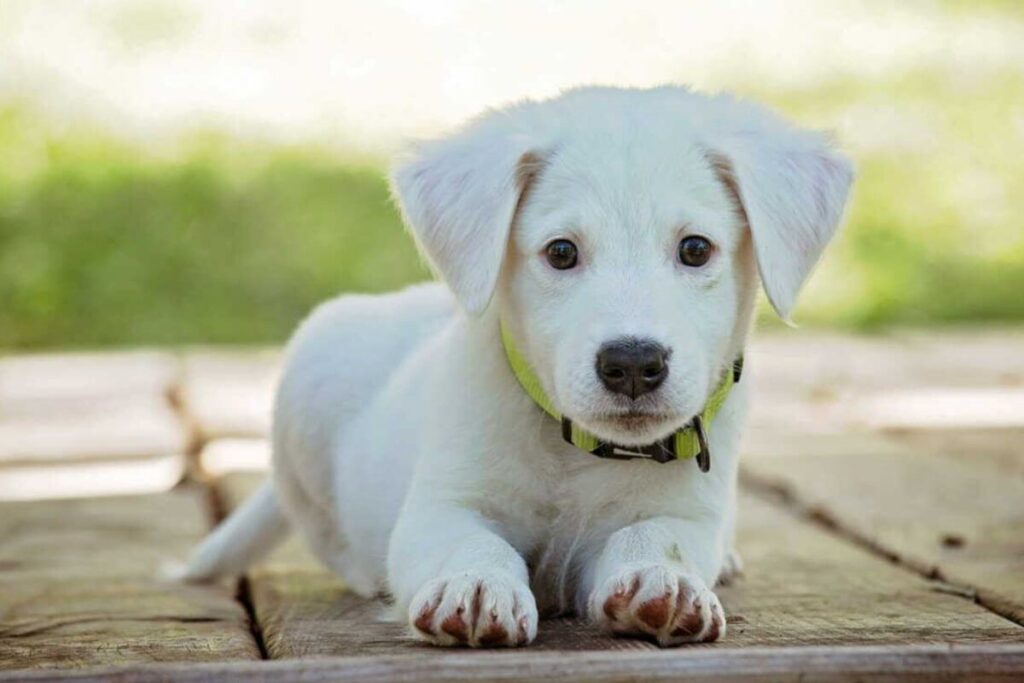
(182, 180)
(199, 171)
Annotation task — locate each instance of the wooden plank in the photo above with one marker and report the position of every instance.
(803, 587)
(122, 476)
(80, 586)
(229, 393)
(971, 356)
(1000, 447)
(856, 664)
(44, 383)
(960, 517)
(955, 396)
(815, 361)
(109, 446)
(942, 408)
(821, 382)
(89, 424)
(222, 456)
(99, 431)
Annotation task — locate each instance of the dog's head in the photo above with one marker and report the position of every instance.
(624, 231)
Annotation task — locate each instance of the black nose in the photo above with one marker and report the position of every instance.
(631, 366)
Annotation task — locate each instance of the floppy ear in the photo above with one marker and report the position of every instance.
(458, 197)
(792, 187)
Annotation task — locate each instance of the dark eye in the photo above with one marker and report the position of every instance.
(562, 254)
(694, 251)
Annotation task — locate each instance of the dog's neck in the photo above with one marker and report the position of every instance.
(688, 442)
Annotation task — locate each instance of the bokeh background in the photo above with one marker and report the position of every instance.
(182, 180)
(202, 171)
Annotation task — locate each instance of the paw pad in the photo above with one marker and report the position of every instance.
(475, 611)
(658, 603)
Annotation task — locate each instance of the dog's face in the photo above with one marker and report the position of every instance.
(627, 228)
(628, 273)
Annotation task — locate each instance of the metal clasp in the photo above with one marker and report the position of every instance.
(704, 454)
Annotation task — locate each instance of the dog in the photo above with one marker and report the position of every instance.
(553, 430)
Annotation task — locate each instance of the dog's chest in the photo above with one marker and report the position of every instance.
(590, 500)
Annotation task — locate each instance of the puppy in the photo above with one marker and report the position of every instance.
(554, 429)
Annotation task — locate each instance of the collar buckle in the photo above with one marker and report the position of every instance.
(704, 454)
(663, 451)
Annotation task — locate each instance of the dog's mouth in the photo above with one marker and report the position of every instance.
(631, 422)
(635, 421)
(633, 415)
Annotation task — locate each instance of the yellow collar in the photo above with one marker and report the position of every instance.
(688, 442)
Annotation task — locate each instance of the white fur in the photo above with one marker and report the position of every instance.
(411, 459)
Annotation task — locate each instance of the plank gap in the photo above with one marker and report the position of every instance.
(218, 511)
(779, 493)
(244, 596)
(81, 585)
(194, 439)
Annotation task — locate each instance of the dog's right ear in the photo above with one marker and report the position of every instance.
(459, 197)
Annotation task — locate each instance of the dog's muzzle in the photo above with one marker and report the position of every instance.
(689, 442)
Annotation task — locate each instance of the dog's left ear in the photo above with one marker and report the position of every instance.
(459, 197)
(792, 187)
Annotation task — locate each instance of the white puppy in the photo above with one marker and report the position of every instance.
(601, 252)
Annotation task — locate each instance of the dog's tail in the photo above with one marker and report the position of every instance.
(248, 534)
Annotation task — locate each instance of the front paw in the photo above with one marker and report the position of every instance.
(661, 603)
(475, 609)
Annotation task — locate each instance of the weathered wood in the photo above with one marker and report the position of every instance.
(803, 587)
(89, 424)
(777, 441)
(817, 362)
(943, 409)
(103, 430)
(80, 585)
(229, 394)
(969, 357)
(120, 476)
(45, 384)
(959, 517)
(222, 456)
(856, 664)
(102, 447)
(819, 602)
(1003, 448)
(821, 382)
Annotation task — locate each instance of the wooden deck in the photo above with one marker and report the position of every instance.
(882, 528)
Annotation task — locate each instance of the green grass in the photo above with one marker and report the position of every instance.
(934, 232)
(99, 246)
(105, 243)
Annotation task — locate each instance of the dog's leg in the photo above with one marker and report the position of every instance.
(732, 564)
(732, 568)
(462, 582)
(318, 527)
(652, 580)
